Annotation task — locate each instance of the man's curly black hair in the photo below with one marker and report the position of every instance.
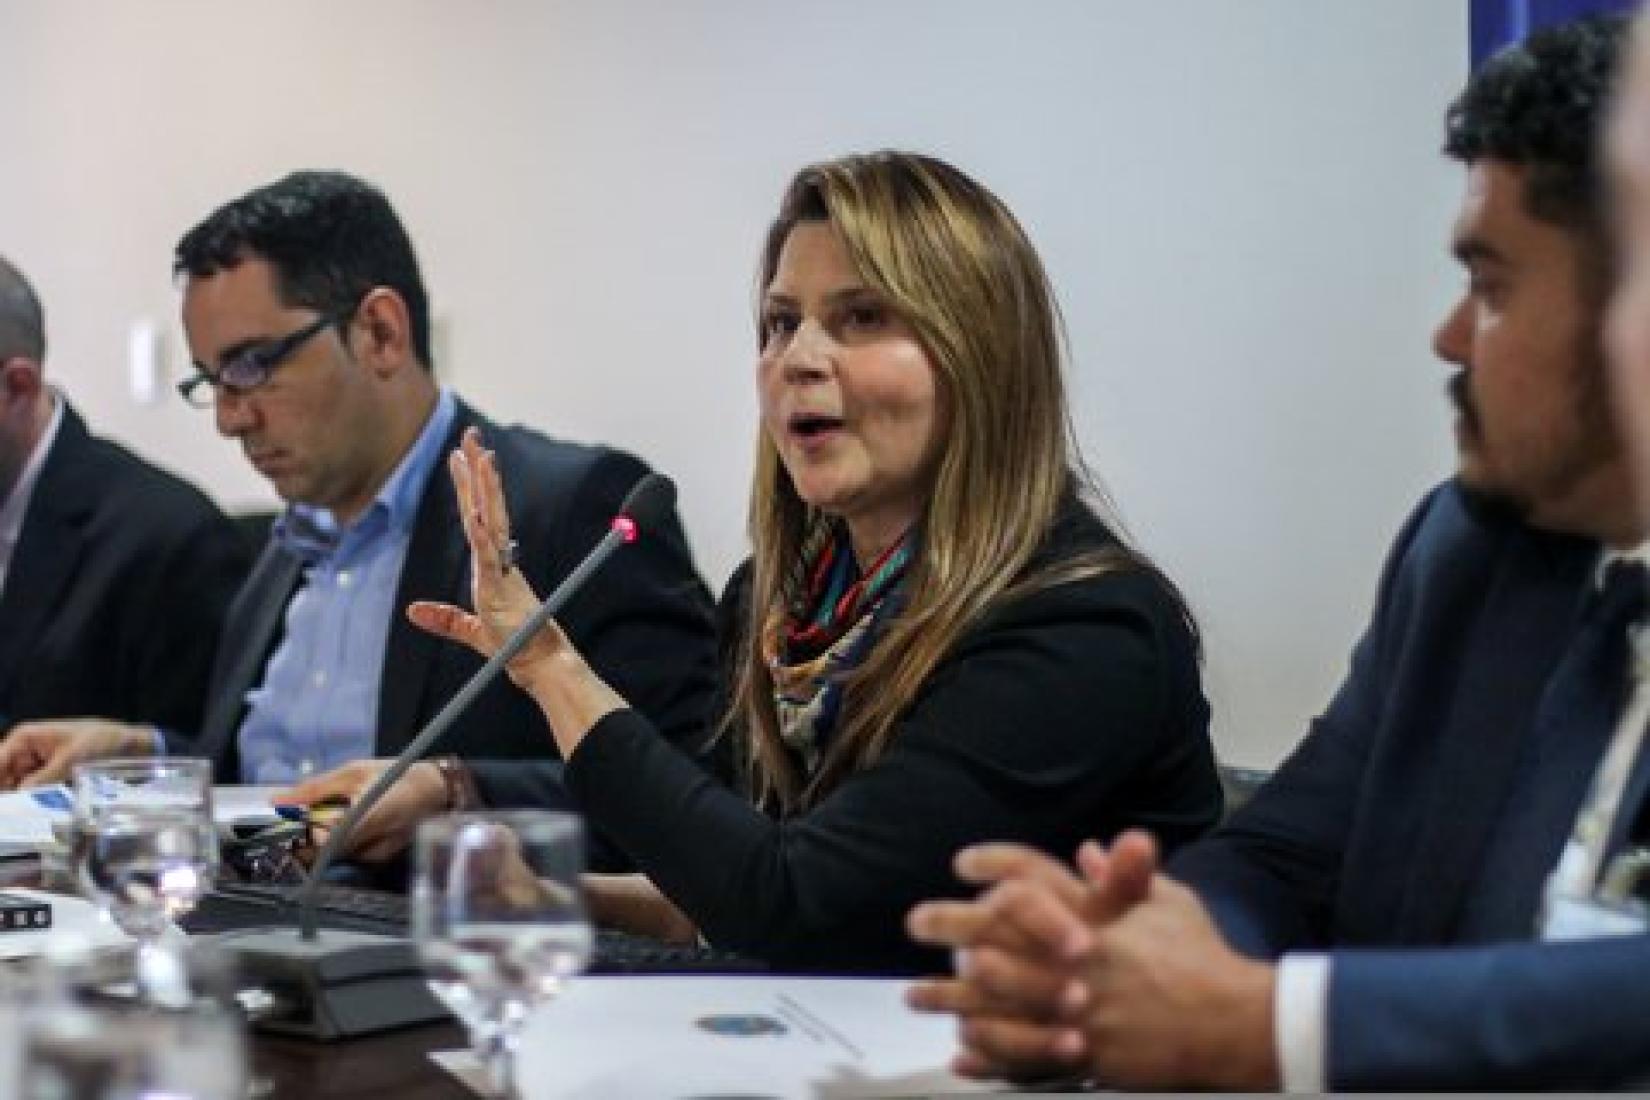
(329, 236)
(1540, 105)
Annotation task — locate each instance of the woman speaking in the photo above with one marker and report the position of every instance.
(936, 640)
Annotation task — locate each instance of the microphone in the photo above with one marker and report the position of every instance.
(352, 983)
(648, 502)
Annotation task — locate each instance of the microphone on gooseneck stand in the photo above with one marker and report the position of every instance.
(332, 983)
(647, 503)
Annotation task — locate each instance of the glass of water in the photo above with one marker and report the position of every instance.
(78, 1039)
(146, 849)
(500, 921)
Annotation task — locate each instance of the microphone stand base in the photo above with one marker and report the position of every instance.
(336, 986)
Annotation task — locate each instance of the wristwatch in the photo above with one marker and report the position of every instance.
(460, 782)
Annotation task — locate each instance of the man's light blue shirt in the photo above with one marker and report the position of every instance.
(317, 706)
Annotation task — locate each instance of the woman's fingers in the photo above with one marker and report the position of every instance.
(501, 598)
(452, 623)
(462, 470)
(491, 486)
(485, 499)
(480, 491)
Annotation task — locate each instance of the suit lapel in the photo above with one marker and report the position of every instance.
(250, 636)
(48, 550)
(434, 570)
(46, 557)
(1516, 643)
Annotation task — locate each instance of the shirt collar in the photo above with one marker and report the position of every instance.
(17, 503)
(1636, 555)
(312, 533)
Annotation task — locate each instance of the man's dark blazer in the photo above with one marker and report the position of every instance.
(644, 622)
(1410, 832)
(116, 589)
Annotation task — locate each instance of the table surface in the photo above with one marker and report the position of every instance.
(394, 1064)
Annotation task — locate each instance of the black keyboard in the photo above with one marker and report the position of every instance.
(622, 953)
(234, 907)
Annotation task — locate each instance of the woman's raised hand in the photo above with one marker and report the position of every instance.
(499, 593)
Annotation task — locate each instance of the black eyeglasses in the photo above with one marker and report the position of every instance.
(250, 367)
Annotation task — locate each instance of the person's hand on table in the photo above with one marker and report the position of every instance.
(1019, 991)
(388, 827)
(1171, 1005)
(1119, 974)
(631, 903)
(47, 751)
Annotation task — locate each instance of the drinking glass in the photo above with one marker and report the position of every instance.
(500, 921)
(146, 849)
(78, 1037)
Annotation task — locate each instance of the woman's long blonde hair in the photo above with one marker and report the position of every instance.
(950, 259)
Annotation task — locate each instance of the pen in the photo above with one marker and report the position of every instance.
(323, 811)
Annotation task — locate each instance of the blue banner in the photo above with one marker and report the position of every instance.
(1498, 22)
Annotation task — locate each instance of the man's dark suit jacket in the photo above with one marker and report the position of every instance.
(116, 590)
(1411, 831)
(644, 622)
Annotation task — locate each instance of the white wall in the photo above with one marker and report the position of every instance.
(1240, 201)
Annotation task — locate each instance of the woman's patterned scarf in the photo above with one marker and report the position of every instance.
(824, 633)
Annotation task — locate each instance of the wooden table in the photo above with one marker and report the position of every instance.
(394, 1065)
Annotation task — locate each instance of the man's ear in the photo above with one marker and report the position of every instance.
(20, 379)
(382, 331)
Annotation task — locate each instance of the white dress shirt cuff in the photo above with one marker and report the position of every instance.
(1300, 1024)
(157, 741)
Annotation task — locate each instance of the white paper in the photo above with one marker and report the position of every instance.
(231, 802)
(770, 1037)
(464, 1067)
(72, 918)
(26, 816)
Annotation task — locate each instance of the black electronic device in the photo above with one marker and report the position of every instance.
(263, 849)
(22, 913)
(248, 826)
(328, 983)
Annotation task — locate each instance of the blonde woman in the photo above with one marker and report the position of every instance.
(935, 641)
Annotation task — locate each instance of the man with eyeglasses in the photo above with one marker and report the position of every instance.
(114, 576)
(309, 325)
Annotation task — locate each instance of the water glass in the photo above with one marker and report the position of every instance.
(77, 1038)
(500, 921)
(145, 849)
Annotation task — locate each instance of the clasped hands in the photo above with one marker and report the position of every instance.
(1114, 972)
